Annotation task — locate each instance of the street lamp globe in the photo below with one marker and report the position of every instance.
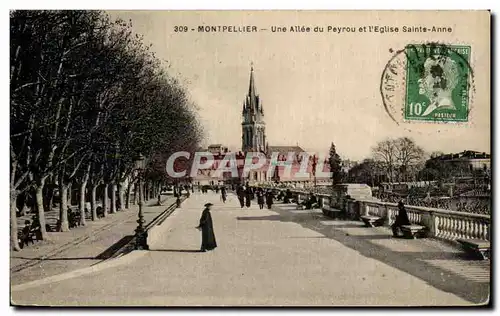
(140, 162)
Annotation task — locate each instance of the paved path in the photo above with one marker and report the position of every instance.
(81, 246)
(266, 257)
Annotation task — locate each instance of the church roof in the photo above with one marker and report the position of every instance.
(283, 150)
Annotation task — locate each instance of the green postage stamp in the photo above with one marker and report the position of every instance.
(437, 83)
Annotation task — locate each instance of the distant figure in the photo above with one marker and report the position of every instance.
(207, 230)
(269, 199)
(309, 203)
(248, 197)
(223, 194)
(178, 202)
(159, 199)
(260, 198)
(401, 219)
(240, 192)
(216, 189)
(288, 196)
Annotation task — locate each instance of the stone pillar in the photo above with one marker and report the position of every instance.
(429, 221)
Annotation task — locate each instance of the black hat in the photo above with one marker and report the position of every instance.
(208, 204)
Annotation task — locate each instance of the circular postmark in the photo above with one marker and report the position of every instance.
(429, 82)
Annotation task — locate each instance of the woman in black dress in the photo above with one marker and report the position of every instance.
(207, 230)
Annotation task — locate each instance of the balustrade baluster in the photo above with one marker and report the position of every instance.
(448, 227)
(452, 228)
(461, 227)
(444, 231)
(444, 223)
(474, 229)
(437, 228)
(457, 227)
(481, 230)
(468, 229)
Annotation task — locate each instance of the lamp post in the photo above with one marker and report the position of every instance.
(140, 234)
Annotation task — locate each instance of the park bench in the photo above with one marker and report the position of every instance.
(477, 247)
(74, 219)
(372, 221)
(28, 234)
(332, 212)
(413, 231)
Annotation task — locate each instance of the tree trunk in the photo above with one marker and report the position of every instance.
(113, 198)
(63, 207)
(105, 200)
(121, 196)
(13, 221)
(127, 196)
(93, 202)
(134, 201)
(47, 192)
(39, 207)
(70, 194)
(81, 206)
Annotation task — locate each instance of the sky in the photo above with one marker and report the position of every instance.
(316, 88)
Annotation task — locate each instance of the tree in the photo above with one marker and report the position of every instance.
(401, 158)
(385, 152)
(409, 158)
(335, 165)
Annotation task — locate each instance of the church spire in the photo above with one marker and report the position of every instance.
(251, 88)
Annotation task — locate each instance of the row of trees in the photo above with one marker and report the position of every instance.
(87, 97)
(392, 160)
(401, 159)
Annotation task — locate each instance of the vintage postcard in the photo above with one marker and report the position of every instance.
(250, 158)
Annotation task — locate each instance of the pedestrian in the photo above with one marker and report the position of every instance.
(248, 196)
(223, 194)
(207, 230)
(178, 202)
(260, 198)
(401, 219)
(287, 197)
(269, 199)
(241, 195)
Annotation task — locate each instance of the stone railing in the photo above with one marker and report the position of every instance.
(444, 224)
(440, 223)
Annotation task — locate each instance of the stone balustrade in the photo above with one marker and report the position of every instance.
(444, 224)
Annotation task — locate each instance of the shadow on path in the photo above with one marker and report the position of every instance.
(58, 259)
(177, 250)
(113, 250)
(413, 263)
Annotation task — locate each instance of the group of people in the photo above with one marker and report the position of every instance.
(246, 194)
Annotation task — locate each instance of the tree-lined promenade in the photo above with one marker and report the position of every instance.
(87, 97)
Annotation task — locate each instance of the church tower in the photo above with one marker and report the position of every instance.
(253, 126)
